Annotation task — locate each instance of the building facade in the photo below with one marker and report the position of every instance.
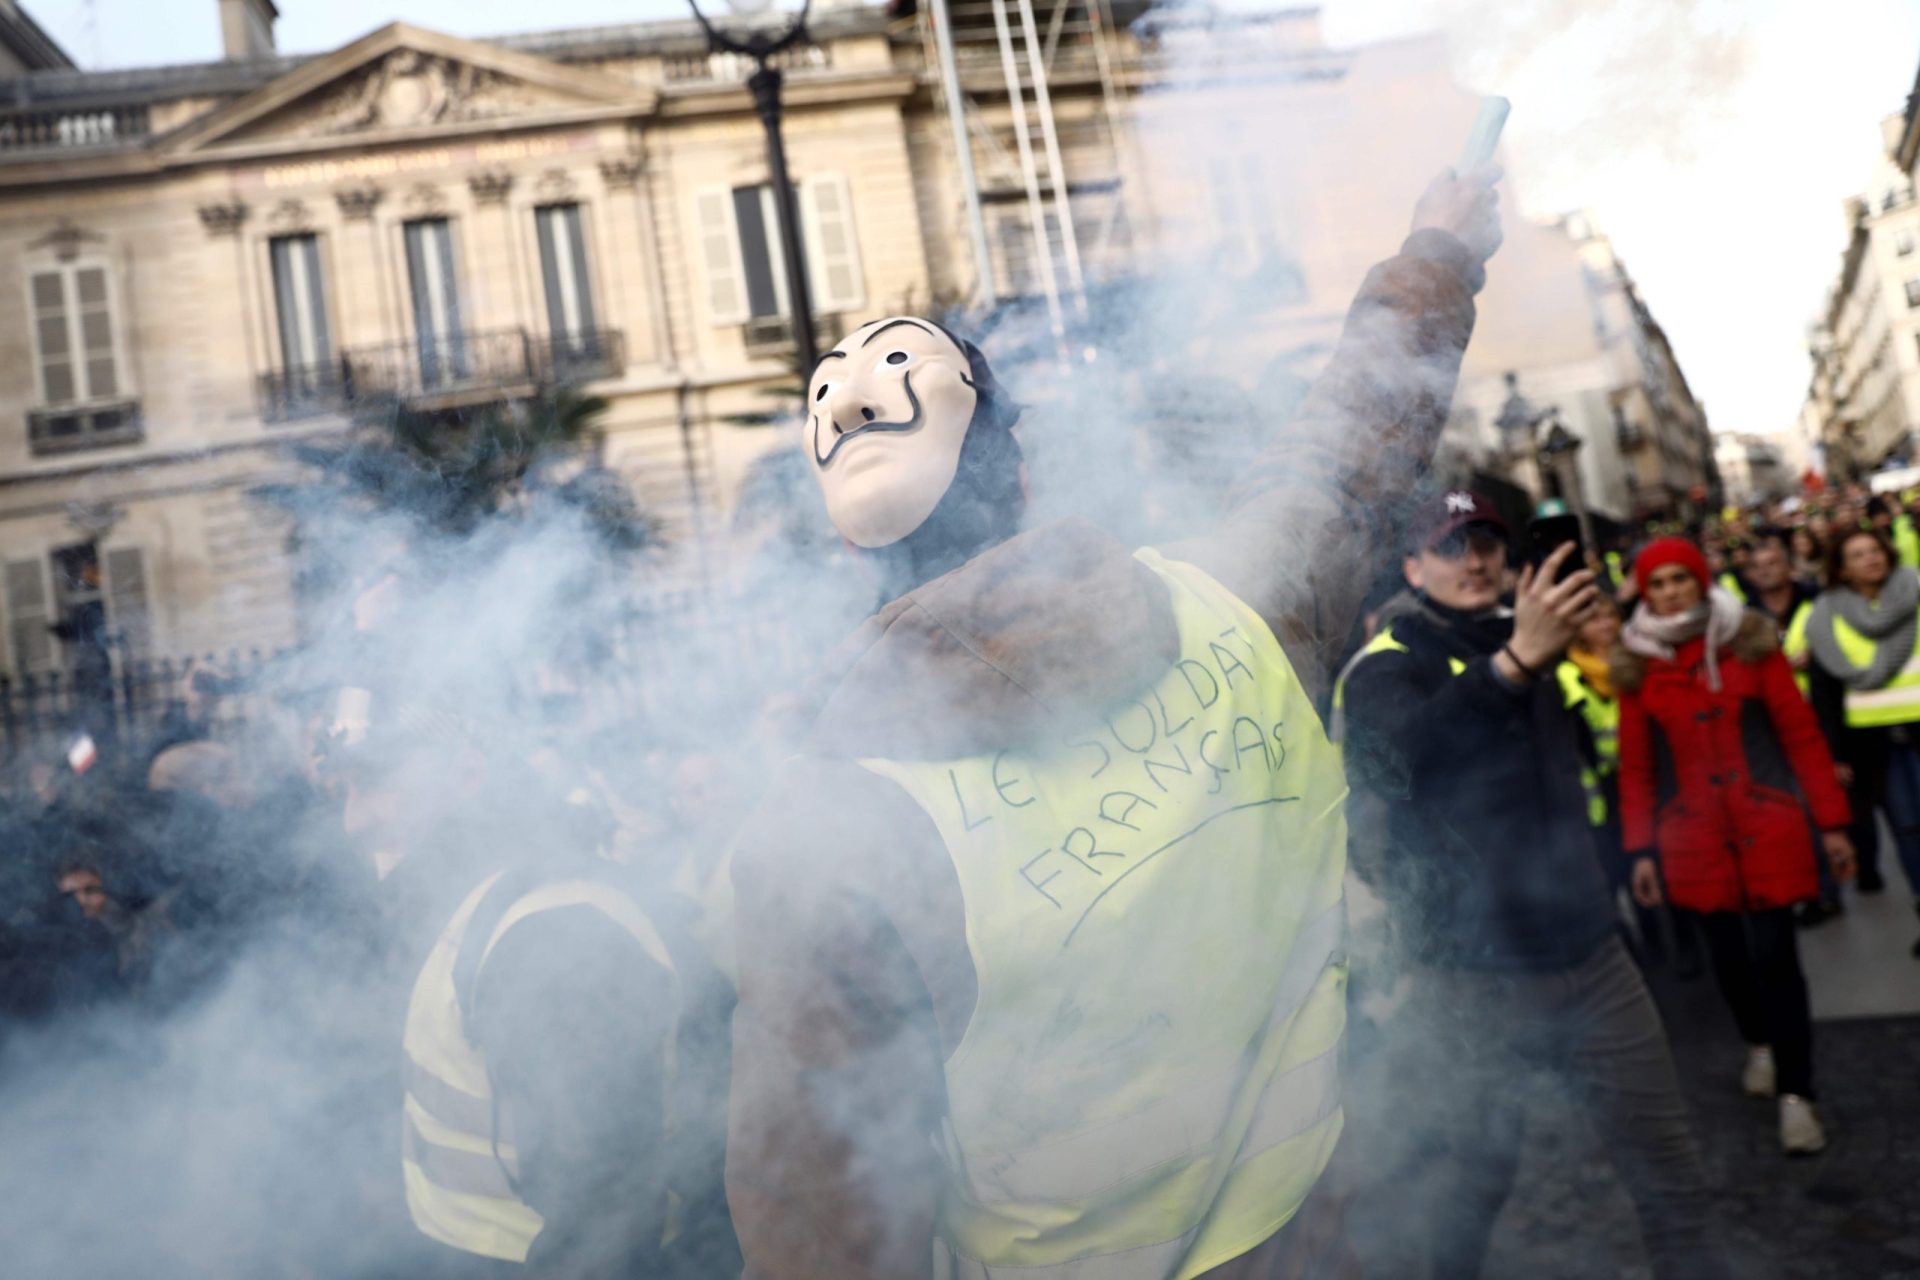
(1863, 397)
(209, 264)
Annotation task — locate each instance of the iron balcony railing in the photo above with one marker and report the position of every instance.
(305, 392)
(444, 370)
(566, 359)
(71, 429)
(452, 371)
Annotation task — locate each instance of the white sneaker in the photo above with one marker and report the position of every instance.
(1800, 1131)
(1758, 1077)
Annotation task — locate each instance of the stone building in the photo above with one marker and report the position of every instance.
(213, 261)
(1863, 398)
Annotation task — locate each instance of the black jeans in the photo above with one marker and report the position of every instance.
(1596, 1027)
(1756, 957)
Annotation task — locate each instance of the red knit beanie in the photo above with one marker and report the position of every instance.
(1670, 551)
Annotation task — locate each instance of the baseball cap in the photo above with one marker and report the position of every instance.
(1448, 513)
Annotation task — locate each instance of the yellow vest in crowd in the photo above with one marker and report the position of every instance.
(1794, 645)
(1149, 1086)
(1906, 541)
(458, 1166)
(1898, 702)
(1603, 726)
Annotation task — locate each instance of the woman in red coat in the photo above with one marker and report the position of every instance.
(1717, 751)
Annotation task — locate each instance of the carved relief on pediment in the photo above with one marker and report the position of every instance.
(408, 89)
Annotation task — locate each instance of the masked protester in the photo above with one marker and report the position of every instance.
(1040, 959)
(1455, 721)
(1714, 742)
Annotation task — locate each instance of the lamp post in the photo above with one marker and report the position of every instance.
(1560, 458)
(762, 45)
(1519, 426)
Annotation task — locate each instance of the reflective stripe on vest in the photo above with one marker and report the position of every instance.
(1602, 716)
(1384, 642)
(1896, 702)
(1149, 1085)
(458, 1168)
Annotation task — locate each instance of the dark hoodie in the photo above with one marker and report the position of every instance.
(855, 976)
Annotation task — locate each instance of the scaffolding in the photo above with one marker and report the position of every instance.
(1027, 54)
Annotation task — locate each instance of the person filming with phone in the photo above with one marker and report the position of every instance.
(1453, 717)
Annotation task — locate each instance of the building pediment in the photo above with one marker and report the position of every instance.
(403, 81)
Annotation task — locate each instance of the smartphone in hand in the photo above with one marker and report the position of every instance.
(1547, 534)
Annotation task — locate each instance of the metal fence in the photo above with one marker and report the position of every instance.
(131, 707)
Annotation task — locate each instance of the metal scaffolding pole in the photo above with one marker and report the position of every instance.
(1036, 210)
(1063, 210)
(963, 152)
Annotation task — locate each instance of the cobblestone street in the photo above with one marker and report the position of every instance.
(1853, 1211)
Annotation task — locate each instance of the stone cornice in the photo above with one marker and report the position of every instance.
(800, 92)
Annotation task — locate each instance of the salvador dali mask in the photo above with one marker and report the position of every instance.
(887, 413)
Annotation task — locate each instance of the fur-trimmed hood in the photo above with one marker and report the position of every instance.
(1756, 638)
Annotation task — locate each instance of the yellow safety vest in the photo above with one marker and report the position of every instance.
(1906, 541)
(458, 1166)
(1794, 645)
(1603, 726)
(1149, 1086)
(1897, 702)
(1731, 581)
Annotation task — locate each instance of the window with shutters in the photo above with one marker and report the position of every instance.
(308, 380)
(563, 270)
(85, 400)
(576, 347)
(746, 264)
(439, 337)
(30, 647)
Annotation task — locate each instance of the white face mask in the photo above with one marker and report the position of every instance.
(887, 412)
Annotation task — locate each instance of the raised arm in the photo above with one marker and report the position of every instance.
(1305, 526)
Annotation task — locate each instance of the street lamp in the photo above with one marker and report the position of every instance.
(1560, 458)
(761, 45)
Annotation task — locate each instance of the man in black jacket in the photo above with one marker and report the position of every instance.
(1455, 725)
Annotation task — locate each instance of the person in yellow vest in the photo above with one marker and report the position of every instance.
(565, 1038)
(1885, 517)
(1455, 719)
(1866, 688)
(1040, 937)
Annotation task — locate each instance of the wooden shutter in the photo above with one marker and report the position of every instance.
(720, 248)
(94, 311)
(28, 616)
(833, 251)
(127, 612)
(53, 338)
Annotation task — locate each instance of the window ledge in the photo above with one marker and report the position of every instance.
(77, 428)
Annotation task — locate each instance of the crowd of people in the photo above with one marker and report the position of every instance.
(1013, 938)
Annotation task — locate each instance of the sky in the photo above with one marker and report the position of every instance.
(1713, 140)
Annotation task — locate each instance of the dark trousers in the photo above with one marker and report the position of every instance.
(1594, 1026)
(1756, 957)
(1903, 808)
